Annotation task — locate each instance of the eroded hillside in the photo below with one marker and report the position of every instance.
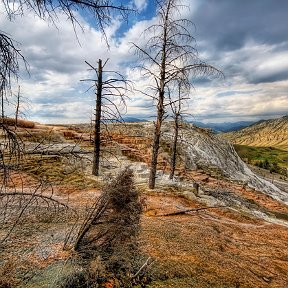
(270, 133)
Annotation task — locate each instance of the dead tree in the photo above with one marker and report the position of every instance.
(10, 56)
(110, 94)
(17, 107)
(168, 55)
(177, 115)
(97, 139)
(10, 146)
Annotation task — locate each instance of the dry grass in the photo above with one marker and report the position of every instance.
(208, 249)
(58, 171)
(7, 274)
(20, 123)
(270, 133)
(219, 248)
(41, 136)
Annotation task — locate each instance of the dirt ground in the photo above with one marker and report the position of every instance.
(214, 248)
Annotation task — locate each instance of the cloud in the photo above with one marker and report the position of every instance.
(247, 40)
(253, 63)
(56, 57)
(141, 4)
(230, 24)
(247, 101)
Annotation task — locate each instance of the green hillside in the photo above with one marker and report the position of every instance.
(266, 157)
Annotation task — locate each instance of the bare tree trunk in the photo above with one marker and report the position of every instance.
(160, 116)
(106, 109)
(156, 141)
(160, 106)
(97, 138)
(2, 100)
(174, 147)
(17, 107)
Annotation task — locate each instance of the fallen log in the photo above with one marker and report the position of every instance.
(182, 212)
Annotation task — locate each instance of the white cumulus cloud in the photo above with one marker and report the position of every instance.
(141, 4)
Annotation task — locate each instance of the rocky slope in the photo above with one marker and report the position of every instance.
(204, 150)
(270, 133)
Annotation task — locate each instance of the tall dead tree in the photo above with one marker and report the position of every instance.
(97, 139)
(110, 89)
(177, 115)
(168, 56)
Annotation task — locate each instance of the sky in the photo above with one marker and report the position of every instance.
(246, 39)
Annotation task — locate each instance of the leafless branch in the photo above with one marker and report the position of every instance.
(168, 57)
(110, 90)
(103, 11)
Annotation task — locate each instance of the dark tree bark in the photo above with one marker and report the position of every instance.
(156, 143)
(174, 146)
(161, 98)
(156, 140)
(97, 139)
(177, 115)
(9, 67)
(2, 101)
(17, 107)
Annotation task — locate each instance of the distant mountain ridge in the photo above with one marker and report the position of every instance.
(131, 119)
(225, 126)
(216, 127)
(268, 133)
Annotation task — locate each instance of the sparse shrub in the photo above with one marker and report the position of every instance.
(266, 164)
(69, 134)
(275, 168)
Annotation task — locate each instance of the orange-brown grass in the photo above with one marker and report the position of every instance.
(263, 200)
(209, 248)
(7, 273)
(54, 170)
(20, 122)
(206, 249)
